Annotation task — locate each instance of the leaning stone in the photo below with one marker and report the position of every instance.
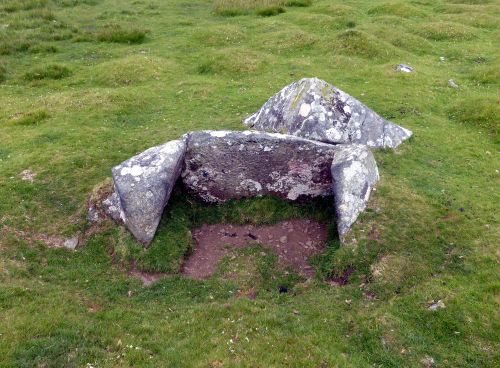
(354, 173)
(313, 109)
(223, 165)
(143, 185)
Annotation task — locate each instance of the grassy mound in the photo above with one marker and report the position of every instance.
(30, 118)
(479, 112)
(360, 44)
(49, 71)
(130, 70)
(119, 34)
(445, 31)
(400, 9)
(264, 8)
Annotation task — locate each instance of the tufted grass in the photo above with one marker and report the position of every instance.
(30, 117)
(3, 71)
(49, 71)
(117, 33)
(263, 8)
(84, 86)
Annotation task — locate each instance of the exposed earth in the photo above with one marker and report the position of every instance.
(294, 242)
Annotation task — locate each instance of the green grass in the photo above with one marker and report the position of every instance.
(30, 118)
(263, 8)
(270, 11)
(85, 84)
(50, 71)
(3, 72)
(117, 33)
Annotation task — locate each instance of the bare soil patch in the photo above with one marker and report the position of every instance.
(293, 241)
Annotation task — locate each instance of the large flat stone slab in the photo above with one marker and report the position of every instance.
(313, 109)
(223, 165)
(143, 185)
(354, 173)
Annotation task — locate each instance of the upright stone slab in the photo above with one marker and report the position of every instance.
(313, 109)
(222, 165)
(143, 185)
(354, 173)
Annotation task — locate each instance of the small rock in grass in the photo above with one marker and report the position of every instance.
(452, 84)
(404, 68)
(436, 305)
(71, 243)
(27, 175)
(283, 239)
(428, 362)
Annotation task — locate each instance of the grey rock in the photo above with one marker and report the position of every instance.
(71, 243)
(313, 109)
(452, 84)
(28, 175)
(143, 185)
(428, 362)
(434, 306)
(354, 173)
(223, 165)
(403, 68)
(113, 208)
(92, 214)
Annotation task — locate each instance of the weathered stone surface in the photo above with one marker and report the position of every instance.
(143, 185)
(222, 165)
(354, 173)
(313, 109)
(452, 84)
(71, 243)
(113, 207)
(403, 68)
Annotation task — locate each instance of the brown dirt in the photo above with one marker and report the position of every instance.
(147, 278)
(294, 242)
(343, 279)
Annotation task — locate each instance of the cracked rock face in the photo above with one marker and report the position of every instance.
(355, 173)
(143, 185)
(313, 109)
(222, 165)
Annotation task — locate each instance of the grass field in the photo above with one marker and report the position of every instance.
(85, 84)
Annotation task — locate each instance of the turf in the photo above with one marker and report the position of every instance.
(85, 84)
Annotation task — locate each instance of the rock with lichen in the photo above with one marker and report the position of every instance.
(142, 187)
(313, 109)
(355, 173)
(223, 165)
